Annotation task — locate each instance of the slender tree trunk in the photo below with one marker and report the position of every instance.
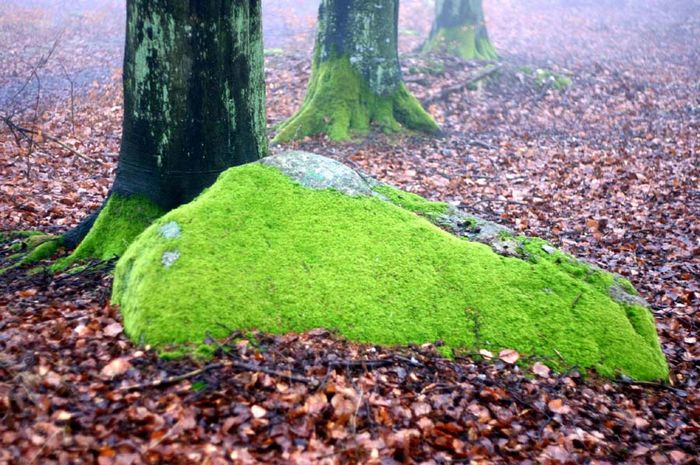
(194, 105)
(459, 30)
(356, 78)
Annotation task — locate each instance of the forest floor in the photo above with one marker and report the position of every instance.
(608, 169)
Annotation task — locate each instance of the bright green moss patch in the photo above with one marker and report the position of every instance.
(118, 224)
(34, 247)
(413, 202)
(258, 251)
(461, 41)
(339, 103)
(557, 81)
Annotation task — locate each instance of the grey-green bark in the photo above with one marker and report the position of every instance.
(366, 31)
(193, 96)
(356, 79)
(194, 106)
(459, 29)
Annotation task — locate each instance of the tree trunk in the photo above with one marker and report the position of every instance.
(356, 78)
(194, 105)
(459, 30)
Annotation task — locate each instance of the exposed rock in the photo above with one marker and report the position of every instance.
(317, 172)
(299, 241)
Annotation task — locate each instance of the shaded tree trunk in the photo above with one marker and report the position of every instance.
(356, 78)
(459, 29)
(194, 105)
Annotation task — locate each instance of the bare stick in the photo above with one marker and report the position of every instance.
(54, 139)
(444, 93)
(216, 366)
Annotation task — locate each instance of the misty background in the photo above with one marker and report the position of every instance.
(89, 36)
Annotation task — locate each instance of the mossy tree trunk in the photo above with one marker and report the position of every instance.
(194, 105)
(356, 78)
(459, 29)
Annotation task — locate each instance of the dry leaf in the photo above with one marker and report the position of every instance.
(113, 330)
(116, 367)
(258, 411)
(509, 356)
(540, 369)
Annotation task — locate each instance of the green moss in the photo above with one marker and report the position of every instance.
(34, 247)
(412, 202)
(558, 81)
(461, 41)
(273, 52)
(43, 251)
(118, 224)
(339, 103)
(260, 251)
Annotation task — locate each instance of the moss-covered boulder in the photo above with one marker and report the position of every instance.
(299, 241)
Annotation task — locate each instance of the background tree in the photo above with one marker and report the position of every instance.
(356, 78)
(459, 29)
(194, 105)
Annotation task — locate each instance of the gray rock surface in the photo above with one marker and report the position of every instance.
(318, 172)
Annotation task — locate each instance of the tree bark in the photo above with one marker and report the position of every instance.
(356, 78)
(459, 29)
(194, 105)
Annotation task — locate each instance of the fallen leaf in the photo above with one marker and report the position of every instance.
(540, 369)
(558, 406)
(509, 356)
(113, 330)
(258, 411)
(116, 367)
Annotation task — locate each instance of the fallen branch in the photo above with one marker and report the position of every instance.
(653, 385)
(24, 131)
(217, 366)
(444, 93)
(482, 144)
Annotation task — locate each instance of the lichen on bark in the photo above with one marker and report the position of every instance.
(459, 29)
(356, 79)
(194, 105)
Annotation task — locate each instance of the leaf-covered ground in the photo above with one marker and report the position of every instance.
(608, 168)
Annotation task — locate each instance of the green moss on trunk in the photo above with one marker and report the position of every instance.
(459, 30)
(118, 224)
(340, 103)
(356, 78)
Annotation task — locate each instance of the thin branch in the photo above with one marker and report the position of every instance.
(47, 136)
(444, 93)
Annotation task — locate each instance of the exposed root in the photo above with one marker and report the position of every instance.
(339, 103)
(116, 226)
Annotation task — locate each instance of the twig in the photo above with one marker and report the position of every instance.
(482, 144)
(216, 366)
(171, 379)
(54, 139)
(651, 384)
(375, 363)
(72, 98)
(444, 93)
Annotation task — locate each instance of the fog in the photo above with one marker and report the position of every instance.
(89, 34)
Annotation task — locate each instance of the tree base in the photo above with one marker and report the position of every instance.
(464, 42)
(339, 103)
(35, 246)
(117, 225)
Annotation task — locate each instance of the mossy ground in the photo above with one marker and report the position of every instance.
(412, 202)
(463, 42)
(260, 251)
(121, 220)
(339, 103)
